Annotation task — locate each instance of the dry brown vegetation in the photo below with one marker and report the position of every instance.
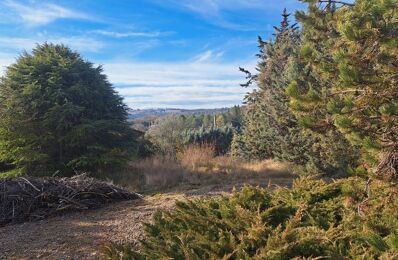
(195, 173)
(196, 165)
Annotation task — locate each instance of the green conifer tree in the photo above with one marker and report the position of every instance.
(349, 54)
(267, 119)
(271, 130)
(312, 84)
(58, 113)
(365, 96)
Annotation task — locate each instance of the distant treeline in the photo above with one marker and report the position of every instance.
(171, 133)
(198, 118)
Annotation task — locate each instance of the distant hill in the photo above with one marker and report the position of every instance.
(159, 112)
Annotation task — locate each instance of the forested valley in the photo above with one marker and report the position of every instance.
(305, 168)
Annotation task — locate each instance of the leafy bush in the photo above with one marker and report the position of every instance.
(348, 218)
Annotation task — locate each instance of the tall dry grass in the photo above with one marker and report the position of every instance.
(151, 174)
(197, 165)
(195, 157)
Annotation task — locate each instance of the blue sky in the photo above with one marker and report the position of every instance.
(156, 53)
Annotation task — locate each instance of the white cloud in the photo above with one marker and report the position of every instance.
(79, 43)
(5, 60)
(184, 84)
(209, 55)
(41, 14)
(200, 96)
(213, 7)
(183, 101)
(173, 73)
(130, 34)
(189, 84)
(217, 11)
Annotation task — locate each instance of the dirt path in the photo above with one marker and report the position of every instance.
(80, 235)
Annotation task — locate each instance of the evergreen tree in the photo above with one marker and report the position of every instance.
(58, 113)
(364, 100)
(312, 84)
(348, 87)
(235, 116)
(220, 137)
(310, 89)
(267, 119)
(270, 129)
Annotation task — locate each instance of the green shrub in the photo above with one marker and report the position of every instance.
(342, 219)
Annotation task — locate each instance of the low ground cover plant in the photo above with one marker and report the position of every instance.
(339, 220)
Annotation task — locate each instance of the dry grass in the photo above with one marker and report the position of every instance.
(155, 173)
(196, 165)
(194, 157)
(201, 159)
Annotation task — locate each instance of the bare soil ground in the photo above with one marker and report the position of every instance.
(80, 235)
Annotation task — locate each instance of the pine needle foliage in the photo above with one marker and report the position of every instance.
(348, 87)
(269, 126)
(271, 129)
(59, 114)
(367, 89)
(339, 220)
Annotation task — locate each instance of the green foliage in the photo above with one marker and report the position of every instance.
(165, 133)
(221, 138)
(269, 126)
(168, 133)
(271, 129)
(313, 219)
(322, 101)
(58, 113)
(368, 76)
(349, 55)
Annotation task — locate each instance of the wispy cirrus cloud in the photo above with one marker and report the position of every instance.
(209, 55)
(35, 14)
(215, 7)
(80, 43)
(223, 12)
(200, 82)
(128, 34)
(176, 53)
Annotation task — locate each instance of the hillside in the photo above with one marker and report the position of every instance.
(160, 112)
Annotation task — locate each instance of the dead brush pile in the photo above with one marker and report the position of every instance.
(28, 198)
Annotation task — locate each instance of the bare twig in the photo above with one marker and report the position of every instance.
(27, 198)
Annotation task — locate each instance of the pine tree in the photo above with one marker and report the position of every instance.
(365, 96)
(219, 137)
(349, 88)
(310, 89)
(271, 130)
(58, 113)
(267, 117)
(312, 84)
